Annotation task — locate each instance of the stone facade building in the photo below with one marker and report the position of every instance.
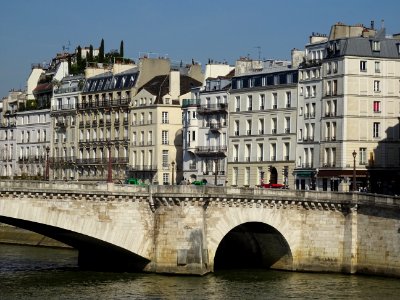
(205, 130)
(262, 123)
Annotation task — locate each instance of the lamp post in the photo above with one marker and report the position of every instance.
(173, 171)
(354, 170)
(216, 172)
(47, 163)
(109, 174)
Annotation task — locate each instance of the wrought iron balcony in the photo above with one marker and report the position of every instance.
(211, 150)
(107, 103)
(148, 168)
(212, 108)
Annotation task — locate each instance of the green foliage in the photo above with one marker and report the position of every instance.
(121, 49)
(31, 104)
(101, 51)
(90, 54)
(21, 106)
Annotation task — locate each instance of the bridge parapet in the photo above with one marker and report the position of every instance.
(177, 194)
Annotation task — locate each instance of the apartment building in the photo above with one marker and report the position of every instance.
(112, 105)
(360, 109)
(205, 129)
(33, 130)
(262, 122)
(8, 131)
(156, 131)
(64, 115)
(309, 113)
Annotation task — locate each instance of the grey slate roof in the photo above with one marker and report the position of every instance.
(361, 46)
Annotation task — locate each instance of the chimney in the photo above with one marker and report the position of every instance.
(372, 25)
(174, 84)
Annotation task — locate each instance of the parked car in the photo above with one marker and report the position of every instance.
(200, 182)
(273, 186)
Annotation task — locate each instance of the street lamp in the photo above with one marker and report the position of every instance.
(354, 170)
(216, 172)
(109, 174)
(47, 163)
(173, 171)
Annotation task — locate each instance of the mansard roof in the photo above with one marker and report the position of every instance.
(364, 47)
(109, 81)
(159, 86)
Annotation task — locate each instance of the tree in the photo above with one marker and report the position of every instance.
(121, 49)
(101, 51)
(79, 56)
(90, 55)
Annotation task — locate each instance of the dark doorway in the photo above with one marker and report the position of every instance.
(253, 245)
(273, 178)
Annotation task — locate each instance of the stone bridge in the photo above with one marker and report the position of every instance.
(200, 229)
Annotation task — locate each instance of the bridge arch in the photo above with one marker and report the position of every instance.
(252, 245)
(259, 232)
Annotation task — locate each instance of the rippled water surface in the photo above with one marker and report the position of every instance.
(41, 273)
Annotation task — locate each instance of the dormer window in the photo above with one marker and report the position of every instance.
(376, 46)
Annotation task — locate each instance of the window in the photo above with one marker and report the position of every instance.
(288, 99)
(376, 46)
(247, 176)
(235, 176)
(376, 129)
(328, 68)
(273, 152)
(165, 159)
(237, 126)
(377, 86)
(260, 152)
(248, 127)
(273, 125)
(287, 125)
(313, 91)
(237, 103)
(362, 155)
(307, 92)
(261, 126)
(165, 178)
(165, 117)
(363, 65)
(164, 137)
(334, 87)
(377, 67)
(335, 66)
(274, 100)
(262, 101)
(377, 106)
(249, 102)
(264, 81)
(236, 153)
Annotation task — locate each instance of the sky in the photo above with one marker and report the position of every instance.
(222, 30)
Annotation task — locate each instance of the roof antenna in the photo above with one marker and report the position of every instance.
(259, 52)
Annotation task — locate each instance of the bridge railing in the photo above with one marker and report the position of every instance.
(198, 191)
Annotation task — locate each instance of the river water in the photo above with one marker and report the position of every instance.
(43, 273)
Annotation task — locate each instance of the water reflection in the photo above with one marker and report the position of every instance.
(39, 273)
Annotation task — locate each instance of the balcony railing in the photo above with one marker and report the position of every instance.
(63, 107)
(211, 149)
(104, 160)
(190, 102)
(104, 103)
(67, 90)
(143, 168)
(211, 108)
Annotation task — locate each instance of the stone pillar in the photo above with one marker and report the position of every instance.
(180, 242)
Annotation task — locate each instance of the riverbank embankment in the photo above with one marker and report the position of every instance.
(18, 236)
